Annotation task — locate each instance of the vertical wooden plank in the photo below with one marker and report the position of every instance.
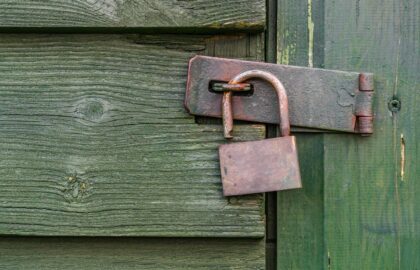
(370, 207)
(300, 212)
(369, 210)
(292, 32)
(407, 91)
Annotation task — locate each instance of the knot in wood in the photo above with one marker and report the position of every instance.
(92, 110)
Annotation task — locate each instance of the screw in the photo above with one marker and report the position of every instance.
(394, 105)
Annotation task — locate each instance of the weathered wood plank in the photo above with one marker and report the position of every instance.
(130, 253)
(95, 140)
(372, 217)
(216, 14)
(407, 135)
(300, 223)
(371, 212)
(292, 32)
(300, 242)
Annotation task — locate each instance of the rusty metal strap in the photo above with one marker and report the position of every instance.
(330, 100)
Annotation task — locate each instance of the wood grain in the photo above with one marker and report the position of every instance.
(371, 212)
(130, 253)
(217, 14)
(95, 140)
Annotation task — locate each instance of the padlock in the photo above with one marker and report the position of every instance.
(259, 166)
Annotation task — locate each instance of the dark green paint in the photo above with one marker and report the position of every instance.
(300, 229)
(300, 243)
(364, 209)
(370, 209)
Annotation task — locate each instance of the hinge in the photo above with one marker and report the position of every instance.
(321, 99)
(363, 108)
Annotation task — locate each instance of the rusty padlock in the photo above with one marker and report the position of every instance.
(259, 166)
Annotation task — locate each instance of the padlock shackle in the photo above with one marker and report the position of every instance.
(281, 95)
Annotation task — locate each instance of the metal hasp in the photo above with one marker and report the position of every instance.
(265, 165)
(323, 99)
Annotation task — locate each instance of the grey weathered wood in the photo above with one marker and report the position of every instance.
(130, 253)
(95, 140)
(216, 14)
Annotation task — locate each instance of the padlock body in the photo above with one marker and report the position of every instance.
(259, 166)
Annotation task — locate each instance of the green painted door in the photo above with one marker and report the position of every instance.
(102, 167)
(359, 208)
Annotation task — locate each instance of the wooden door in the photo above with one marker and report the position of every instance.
(359, 208)
(102, 167)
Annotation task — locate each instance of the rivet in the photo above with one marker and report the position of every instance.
(394, 105)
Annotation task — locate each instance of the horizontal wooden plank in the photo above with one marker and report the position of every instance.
(130, 253)
(216, 14)
(95, 140)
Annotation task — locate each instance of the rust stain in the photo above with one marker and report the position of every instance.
(227, 114)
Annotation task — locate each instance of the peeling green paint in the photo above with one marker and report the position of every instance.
(284, 55)
(310, 35)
